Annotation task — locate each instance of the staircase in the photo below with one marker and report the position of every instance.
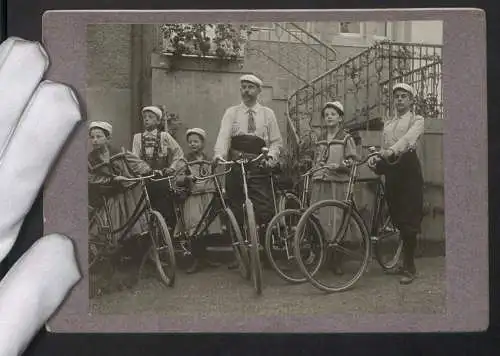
(362, 83)
(301, 55)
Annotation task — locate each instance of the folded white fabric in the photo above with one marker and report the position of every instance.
(36, 118)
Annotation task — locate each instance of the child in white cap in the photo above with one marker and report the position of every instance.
(110, 194)
(201, 193)
(404, 180)
(162, 152)
(156, 147)
(332, 183)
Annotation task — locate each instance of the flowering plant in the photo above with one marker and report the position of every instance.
(225, 41)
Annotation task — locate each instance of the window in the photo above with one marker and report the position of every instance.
(350, 28)
(370, 30)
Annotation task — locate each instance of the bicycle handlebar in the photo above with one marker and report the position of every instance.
(137, 178)
(314, 170)
(199, 161)
(350, 162)
(197, 178)
(374, 153)
(263, 155)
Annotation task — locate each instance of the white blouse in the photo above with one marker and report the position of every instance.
(401, 133)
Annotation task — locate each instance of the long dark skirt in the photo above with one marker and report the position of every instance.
(404, 192)
(259, 191)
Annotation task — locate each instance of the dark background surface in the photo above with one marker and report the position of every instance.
(23, 18)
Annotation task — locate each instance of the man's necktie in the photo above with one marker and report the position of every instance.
(251, 122)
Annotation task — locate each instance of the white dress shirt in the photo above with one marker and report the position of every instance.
(235, 122)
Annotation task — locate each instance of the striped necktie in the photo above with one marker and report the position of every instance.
(251, 122)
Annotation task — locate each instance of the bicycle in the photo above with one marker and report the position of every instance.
(281, 231)
(104, 246)
(250, 244)
(336, 240)
(217, 208)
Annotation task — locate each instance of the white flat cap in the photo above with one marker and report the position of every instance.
(197, 131)
(103, 125)
(335, 104)
(251, 78)
(403, 86)
(154, 110)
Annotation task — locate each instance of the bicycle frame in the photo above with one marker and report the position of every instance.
(247, 203)
(377, 208)
(242, 162)
(217, 204)
(351, 203)
(138, 210)
(113, 245)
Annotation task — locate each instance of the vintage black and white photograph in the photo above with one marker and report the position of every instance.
(266, 169)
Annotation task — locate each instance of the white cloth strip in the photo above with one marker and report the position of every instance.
(22, 66)
(42, 131)
(33, 289)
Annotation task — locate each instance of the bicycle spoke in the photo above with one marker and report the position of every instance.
(347, 245)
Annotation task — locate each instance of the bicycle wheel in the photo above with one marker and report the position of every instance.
(346, 241)
(289, 200)
(162, 249)
(99, 234)
(279, 246)
(254, 248)
(100, 266)
(238, 243)
(388, 244)
(101, 271)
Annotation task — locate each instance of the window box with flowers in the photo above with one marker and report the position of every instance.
(224, 42)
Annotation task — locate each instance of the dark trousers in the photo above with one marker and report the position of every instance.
(404, 193)
(162, 201)
(160, 195)
(259, 191)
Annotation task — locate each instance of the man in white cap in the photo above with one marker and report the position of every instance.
(404, 180)
(246, 128)
(162, 152)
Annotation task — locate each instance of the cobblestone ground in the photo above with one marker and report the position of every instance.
(222, 292)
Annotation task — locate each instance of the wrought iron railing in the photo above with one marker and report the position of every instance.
(362, 84)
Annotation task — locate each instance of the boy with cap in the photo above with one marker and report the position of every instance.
(404, 180)
(246, 128)
(162, 152)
